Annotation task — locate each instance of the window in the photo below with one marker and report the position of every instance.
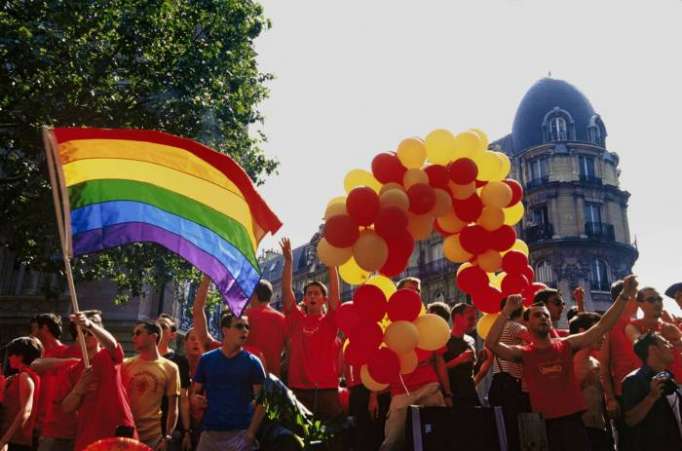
(586, 166)
(544, 273)
(557, 129)
(538, 168)
(436, 251)
(594, 135)
(538, 215)
(592, 212)
(600, 275)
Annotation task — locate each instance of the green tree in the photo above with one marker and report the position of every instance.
(185, 67)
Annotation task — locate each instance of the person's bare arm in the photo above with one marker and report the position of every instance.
(512, 353)
(579, 297)
(199, 322)
(464, 357)
(609, 319)
(635, 415)
(87, 382)
(46, 364)
(443, 378)
(26, 393)
(105, 338)
(258, 415)
(612, 406)
(334, 295)
(173, 410)
(485, 367)
(288, 297)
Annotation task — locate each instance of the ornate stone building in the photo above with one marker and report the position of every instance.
(576, 215)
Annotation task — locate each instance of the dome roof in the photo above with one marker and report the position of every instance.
(544, 96)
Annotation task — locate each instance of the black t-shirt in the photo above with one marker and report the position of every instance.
(462, 376)
(183, 367)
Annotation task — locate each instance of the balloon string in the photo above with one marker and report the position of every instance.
(402, 381)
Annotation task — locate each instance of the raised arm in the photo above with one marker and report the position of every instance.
(579, 298)
(609, 319)
(334, 299)
(512, 353)
(104, 337)
(199, 322)
(287, 276)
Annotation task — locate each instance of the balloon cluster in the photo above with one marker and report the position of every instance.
(387, 331)
(448, 183)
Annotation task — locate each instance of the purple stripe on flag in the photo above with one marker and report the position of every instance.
(99, 239)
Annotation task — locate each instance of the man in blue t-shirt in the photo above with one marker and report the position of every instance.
(230, 380)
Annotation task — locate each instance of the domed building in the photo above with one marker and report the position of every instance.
(576, 215)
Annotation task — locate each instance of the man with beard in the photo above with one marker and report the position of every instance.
(548, 366)
(231, 380)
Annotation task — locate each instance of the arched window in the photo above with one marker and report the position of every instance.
(600, 275)
(544, 273)
(596, 132)
(558, 130)
(594, 135)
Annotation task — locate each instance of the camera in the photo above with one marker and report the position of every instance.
(670, 384)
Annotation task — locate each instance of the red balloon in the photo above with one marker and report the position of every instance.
(469, 209)
(400, 249)
(472, 279)
(404, 305)
(348, 317)
(528, 273)
(341, 231)
(384, 366)
(362, 205)
(514, 262)
(514, 284)
(370, 302)
(365, 340)
(502, 238)
(487, 300)
(422, 198)
(117, 443)
(390, 222)
(530, 291)
(438, 176)
(480, 183)
(386, 168)
(463, 171)
(474, 239)
(517, 191)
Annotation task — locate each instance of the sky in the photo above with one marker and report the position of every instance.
(354, 78)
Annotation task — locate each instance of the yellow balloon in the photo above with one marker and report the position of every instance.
(468, 144)
(434, 332)
(336, 206)
(390, 185)
(395, 198)
(333, 256)
(488, 165)
(520, 246)
(360, 177)
(489, 261)
(440, 146)
(408, 362)
(370, 251)
(496, 194)
(484, 324)
(414, 176)
(505, 166)
(451, 223)
(353, 274)
(452, 250)
(513, 214)
(496, 280)
(385, 284)
(491, 218)
(482, 136)
(443, 203)
(412, 152)
(423, 310)
(401, 337)
(419, 226)
(461, 192)
(368, 382)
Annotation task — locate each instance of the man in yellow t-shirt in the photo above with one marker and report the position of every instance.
(148, 377)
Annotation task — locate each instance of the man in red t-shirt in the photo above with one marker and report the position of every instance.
(97, 393)
(313, 372)
(551, 298)
(548, 366)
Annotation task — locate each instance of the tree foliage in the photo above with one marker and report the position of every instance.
(185, 67)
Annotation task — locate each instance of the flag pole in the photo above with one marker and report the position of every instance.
(58, 194)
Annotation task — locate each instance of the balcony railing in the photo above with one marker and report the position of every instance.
(590, 179)
(537, 182)
(600, 231)
(538, 232)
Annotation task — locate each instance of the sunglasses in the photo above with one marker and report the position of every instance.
(242, 326)
(653, 299)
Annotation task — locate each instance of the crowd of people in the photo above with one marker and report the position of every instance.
(605, 383)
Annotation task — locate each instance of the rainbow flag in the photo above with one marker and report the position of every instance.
(124, 186)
